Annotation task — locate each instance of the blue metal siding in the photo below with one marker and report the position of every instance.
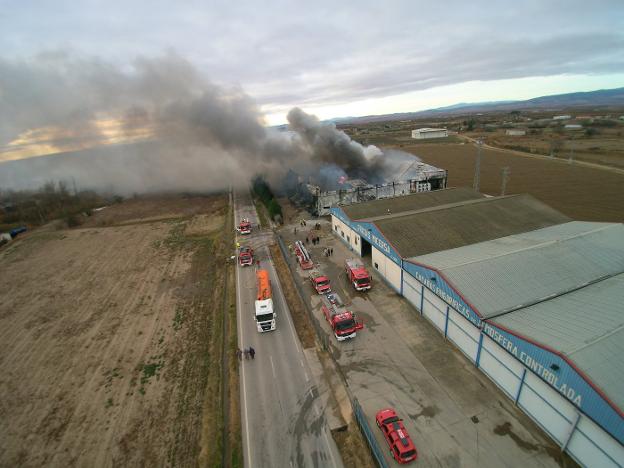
(439, 287)
(565, 379)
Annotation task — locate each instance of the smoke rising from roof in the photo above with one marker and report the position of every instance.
(188, 133)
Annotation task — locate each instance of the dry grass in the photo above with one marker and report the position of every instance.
(300, 317)
(580, 192)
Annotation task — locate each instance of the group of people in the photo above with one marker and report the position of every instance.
(315, 239)
(247, 352)
(328, 252)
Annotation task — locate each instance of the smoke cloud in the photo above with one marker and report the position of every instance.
(157, 126)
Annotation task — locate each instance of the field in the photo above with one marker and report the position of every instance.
(582, 192)
(113, 338)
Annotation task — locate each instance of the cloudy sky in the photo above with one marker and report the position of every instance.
(340, 58)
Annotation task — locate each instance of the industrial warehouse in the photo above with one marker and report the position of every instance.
(530, 297)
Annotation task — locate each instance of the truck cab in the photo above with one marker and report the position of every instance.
(244, 227)
(342, 321)
(358, 275)
(245, 256)
(320, 282)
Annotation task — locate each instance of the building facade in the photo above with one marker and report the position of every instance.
(426, 133)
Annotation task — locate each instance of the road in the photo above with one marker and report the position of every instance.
(283, 423)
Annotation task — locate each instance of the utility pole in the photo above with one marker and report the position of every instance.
(475, 183)
(571, 158)
(506, 171)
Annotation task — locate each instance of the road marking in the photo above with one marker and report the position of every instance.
(240, 334)
(273, 367)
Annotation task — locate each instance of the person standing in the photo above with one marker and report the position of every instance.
(239, 354)
(246, 353)
(252, 352)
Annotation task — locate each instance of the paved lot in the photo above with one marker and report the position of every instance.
(455, 415)
(283, 422)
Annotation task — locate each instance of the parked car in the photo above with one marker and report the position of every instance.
(401, 446)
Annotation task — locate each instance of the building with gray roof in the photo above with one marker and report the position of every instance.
(533, 299)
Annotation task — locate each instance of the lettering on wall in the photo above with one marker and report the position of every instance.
(449, 299)
(534, 364)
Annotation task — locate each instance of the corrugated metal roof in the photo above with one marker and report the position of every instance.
(415, 201)
(465, 222)
(587, 325)
(503, 277)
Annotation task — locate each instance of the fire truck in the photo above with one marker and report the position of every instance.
(245, 256)
(358, 276)
(244, 227)
(303, 257)
(320, 282)
(341, 320)
(265, 315)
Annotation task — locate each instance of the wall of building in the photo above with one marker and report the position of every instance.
(347, 235)
(390, 271)
(425, 135)
(491, 351)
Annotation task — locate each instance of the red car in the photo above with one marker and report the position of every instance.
(401, 446)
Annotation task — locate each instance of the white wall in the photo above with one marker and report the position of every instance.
(347, 235)
(591, 446)
(387, 268)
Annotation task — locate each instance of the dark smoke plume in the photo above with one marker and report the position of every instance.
(188, 134)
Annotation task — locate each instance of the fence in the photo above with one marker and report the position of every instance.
(328, 346)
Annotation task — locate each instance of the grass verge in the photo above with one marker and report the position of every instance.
(299, 315)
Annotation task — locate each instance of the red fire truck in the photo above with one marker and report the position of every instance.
(244, 227)
(245, 256)
(341, 320)
(358, 276)
(303, 257)
(320, 282)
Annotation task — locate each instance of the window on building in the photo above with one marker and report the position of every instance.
(342, 234)
(348, 239)
(356, 241)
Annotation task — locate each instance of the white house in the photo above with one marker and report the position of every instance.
(424, 133)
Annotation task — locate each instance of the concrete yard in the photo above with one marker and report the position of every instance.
(455, 414)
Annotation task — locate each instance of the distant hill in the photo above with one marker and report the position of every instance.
(599, 98)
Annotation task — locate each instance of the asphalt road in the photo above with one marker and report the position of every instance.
(283, 423)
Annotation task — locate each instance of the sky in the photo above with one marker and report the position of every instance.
(331, 59)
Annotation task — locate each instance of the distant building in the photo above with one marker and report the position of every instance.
(425, 133)
(562, 117)
(515, 132)
(573, 127)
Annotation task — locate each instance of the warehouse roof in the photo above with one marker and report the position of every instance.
(415, 201)
(587, 325)
(562, 286)
(505, 274)
(466, 222)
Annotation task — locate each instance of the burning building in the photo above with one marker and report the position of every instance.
(403, 174)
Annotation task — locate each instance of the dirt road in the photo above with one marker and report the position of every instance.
(105, 338)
